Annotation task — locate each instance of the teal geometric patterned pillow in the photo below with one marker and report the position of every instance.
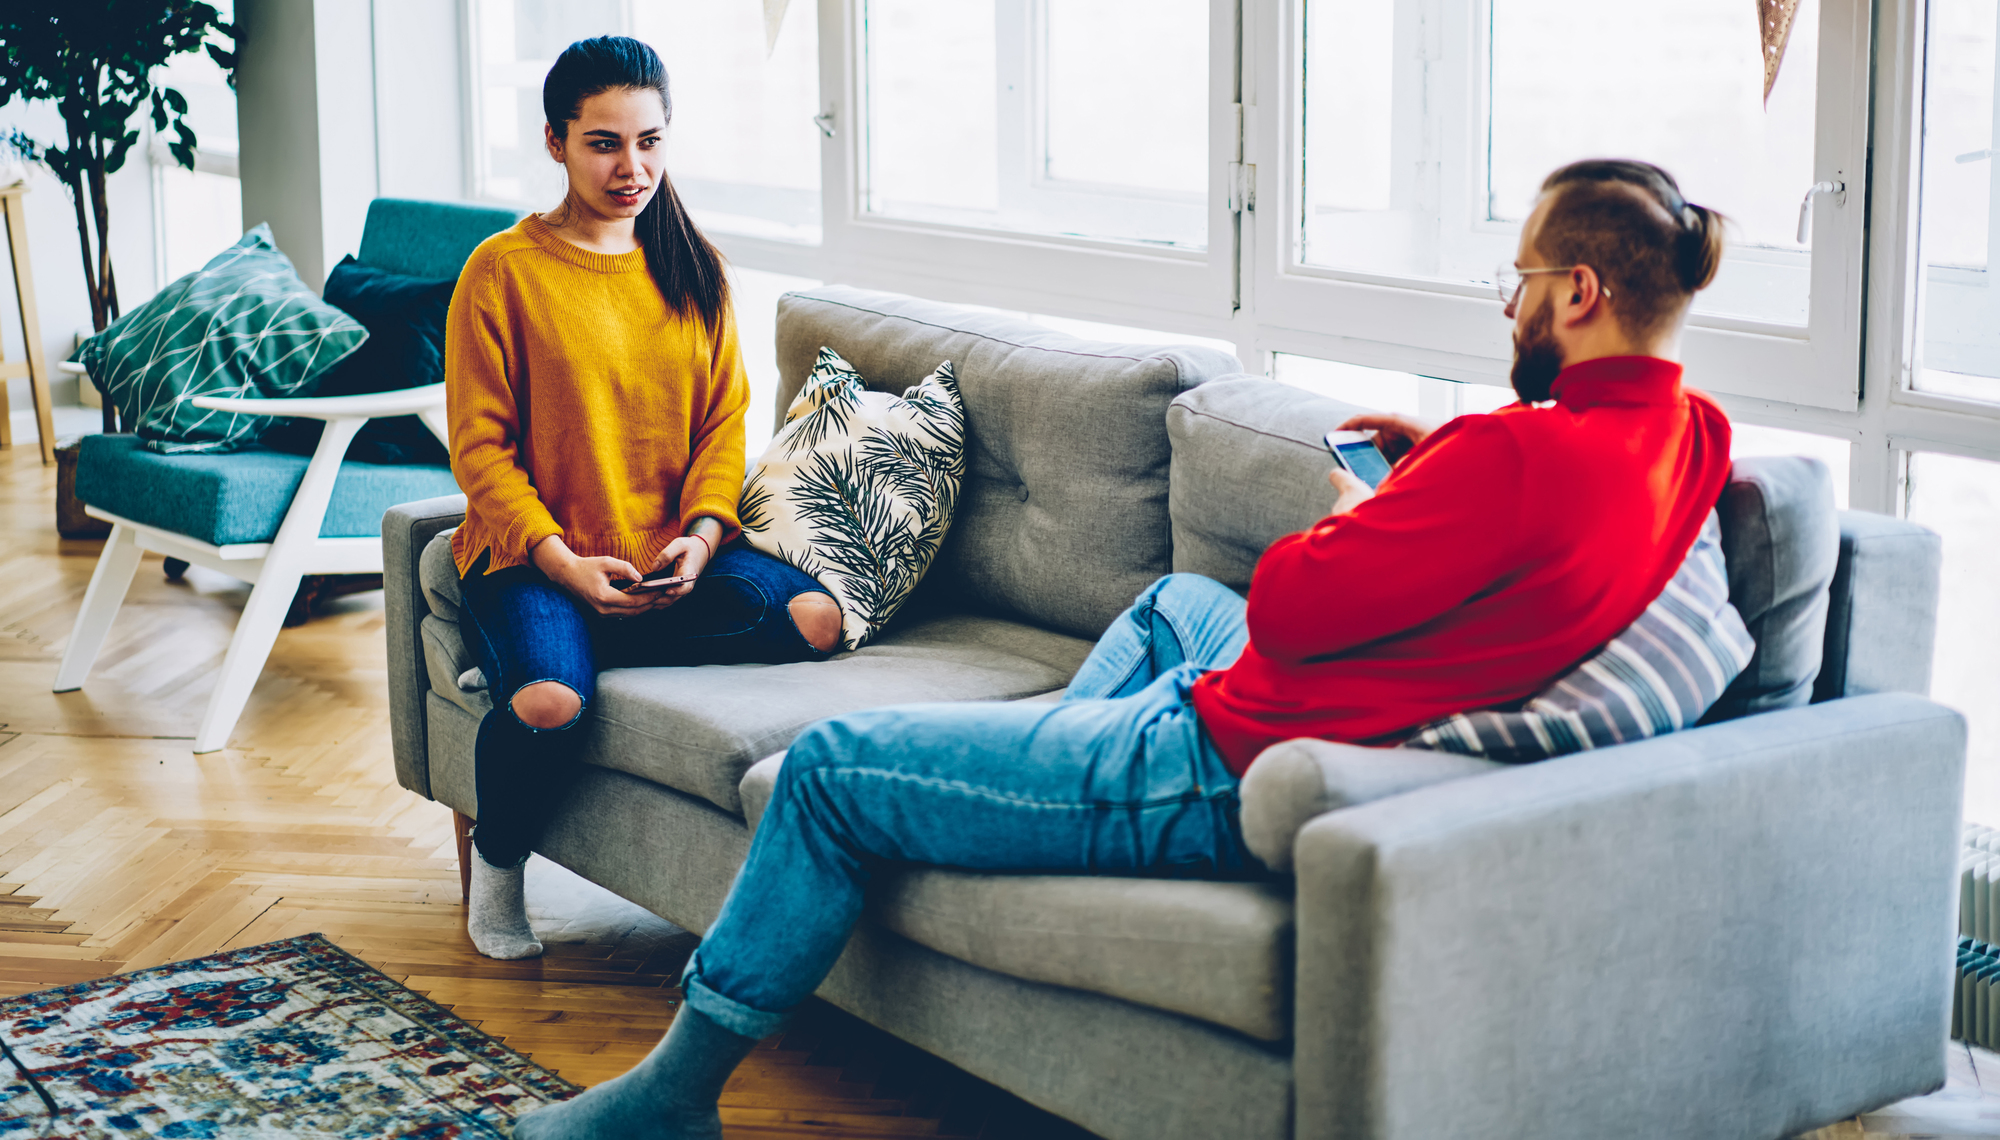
(242, 325)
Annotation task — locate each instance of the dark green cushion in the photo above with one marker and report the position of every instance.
(242, 325)
(242, 496)
(428, 239)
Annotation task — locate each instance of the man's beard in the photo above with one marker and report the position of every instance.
(1537, 357)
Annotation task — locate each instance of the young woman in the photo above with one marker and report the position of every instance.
(596, 401)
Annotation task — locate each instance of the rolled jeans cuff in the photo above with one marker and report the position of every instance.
(730, 1014)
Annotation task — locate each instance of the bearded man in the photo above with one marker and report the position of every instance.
(1500, 551)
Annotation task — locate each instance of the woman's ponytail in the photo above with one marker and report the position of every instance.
(685, 265)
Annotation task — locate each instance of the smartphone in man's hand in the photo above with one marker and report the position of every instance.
(1356, 452)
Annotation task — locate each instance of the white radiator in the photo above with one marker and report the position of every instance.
(1975, 1006)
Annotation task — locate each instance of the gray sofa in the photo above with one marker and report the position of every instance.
(1739, 930)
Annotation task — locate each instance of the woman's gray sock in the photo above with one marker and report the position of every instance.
(671, 1095)
(496, 916)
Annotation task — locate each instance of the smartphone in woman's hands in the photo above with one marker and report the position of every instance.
(657, 580)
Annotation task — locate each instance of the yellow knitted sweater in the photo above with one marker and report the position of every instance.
(580, 405)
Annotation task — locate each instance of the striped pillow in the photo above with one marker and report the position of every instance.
(1661, 674)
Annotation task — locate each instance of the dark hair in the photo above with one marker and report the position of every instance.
(687, 268)
(1627, 220)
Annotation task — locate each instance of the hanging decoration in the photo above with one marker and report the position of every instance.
(774, 18)
(1774, 21)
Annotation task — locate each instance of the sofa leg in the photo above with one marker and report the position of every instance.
(108, 583)
(461, 830)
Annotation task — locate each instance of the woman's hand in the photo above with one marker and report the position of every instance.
(1352, 490)
(685, 555)
(589, 579)
(1394, 435)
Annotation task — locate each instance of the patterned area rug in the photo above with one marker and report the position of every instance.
(291, 1039)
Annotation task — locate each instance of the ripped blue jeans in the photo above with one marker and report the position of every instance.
(1119, 778)
(524, 629)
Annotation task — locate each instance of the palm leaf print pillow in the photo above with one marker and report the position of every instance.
(857, 489)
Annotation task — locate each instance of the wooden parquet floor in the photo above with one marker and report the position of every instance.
(120, 849)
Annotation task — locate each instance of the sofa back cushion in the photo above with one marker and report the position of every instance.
(1881, 621)
(1249, 467)
(1063, 516)
(1782, 539)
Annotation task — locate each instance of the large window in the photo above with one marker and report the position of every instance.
(1412, 137)
(1386, 191)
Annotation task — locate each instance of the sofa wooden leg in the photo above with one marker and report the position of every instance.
(461, 830)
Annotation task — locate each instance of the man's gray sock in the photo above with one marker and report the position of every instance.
(671, 1095)
(496, 916)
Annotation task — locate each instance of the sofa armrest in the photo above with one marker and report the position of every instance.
(1881, 620)
(406, 530)
(1743, 929)
(1294, 781)
(756, 788)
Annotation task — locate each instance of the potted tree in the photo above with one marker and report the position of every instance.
(95, 62)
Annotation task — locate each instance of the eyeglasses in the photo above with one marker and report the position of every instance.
(1508, 281)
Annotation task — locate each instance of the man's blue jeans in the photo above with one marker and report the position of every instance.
(1118, 778)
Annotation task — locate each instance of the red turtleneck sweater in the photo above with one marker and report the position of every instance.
(1497, 554)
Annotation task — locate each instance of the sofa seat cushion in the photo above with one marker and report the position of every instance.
(697, 730)
(1220, 952)
(1217, 951)
(241, 497)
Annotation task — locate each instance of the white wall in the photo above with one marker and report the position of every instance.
(57, 258)
(421, 142)
(340, 102)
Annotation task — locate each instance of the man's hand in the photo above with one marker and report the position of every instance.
(1352, 491)
(589, 579)
(1394, 435)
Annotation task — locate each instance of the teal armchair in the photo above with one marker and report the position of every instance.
(270, 517)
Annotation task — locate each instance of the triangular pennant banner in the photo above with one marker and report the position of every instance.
(774, 18)
(1774, 22)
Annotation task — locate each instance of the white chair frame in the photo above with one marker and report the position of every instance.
(272, 568)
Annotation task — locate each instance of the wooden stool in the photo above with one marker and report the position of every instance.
(35, 368)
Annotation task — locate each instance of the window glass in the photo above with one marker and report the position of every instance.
(199, 213)
(1961, 307)
(1425, 398)
(1960, 499)
(755, 296)
(1756, 439)
(1374, 388)
(742, 151)
(1403, 178)
(1076, 117)
(202, 215)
